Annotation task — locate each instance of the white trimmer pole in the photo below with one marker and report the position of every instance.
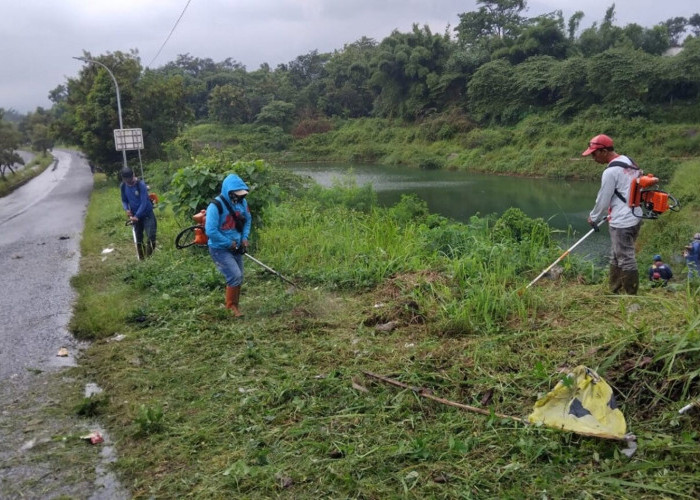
(136, 244)
(270, 269)
(563, 256)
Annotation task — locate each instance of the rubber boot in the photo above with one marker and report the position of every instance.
(236, 300)
(630, 281)
(615, 279)
(150, 246)
(232, 297)
(139, 250)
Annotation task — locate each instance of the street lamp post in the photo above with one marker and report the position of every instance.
(119, 104)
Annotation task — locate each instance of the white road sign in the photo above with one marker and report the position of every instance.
(128, 139)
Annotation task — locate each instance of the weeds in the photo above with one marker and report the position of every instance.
(149, 419)
(92, 406)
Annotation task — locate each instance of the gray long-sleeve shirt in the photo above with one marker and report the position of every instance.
(607, 201)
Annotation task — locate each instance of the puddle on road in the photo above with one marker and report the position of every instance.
(107, 486)
(91, 389)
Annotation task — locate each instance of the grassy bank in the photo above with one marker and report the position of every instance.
(12, 181)
(540, 145)
(276, 404)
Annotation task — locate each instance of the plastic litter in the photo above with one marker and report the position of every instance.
(689, 406)
(584, 404)
(94, 437)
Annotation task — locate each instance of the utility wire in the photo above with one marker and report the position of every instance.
(171, 33)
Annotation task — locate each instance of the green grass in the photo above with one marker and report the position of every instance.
(275, 404)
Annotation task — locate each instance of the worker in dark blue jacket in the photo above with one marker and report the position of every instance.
(692, 256)
(139, 210)
(659, 273)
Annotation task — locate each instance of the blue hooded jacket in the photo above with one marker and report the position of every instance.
(221, 228)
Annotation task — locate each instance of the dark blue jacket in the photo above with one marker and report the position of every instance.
(662, 272)
(694, 253)
(135, 198)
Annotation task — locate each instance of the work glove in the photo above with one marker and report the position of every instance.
(238, 249)
(594, 226)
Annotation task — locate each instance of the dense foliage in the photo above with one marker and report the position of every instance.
(9, 141)
(194, 186)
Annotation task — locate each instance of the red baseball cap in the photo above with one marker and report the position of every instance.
(598, 142)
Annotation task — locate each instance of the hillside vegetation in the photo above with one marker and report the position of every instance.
(538, 146)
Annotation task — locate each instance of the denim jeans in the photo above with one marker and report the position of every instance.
(149, 225)
(230, 265)
(693, 270)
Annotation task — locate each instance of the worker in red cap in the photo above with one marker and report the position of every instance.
(611, 203)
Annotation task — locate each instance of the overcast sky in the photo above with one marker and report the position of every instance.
(40, 37)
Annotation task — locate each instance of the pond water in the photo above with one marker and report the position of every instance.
(459, 195)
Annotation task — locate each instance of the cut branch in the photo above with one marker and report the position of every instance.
(428, 395)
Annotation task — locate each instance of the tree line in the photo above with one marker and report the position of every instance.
(497, 67)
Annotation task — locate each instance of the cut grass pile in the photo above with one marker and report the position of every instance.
(275, 404)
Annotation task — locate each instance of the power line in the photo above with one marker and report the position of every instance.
(171, 33)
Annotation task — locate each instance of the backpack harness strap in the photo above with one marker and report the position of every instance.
(239, 221)
(218, 202)
(618, 163)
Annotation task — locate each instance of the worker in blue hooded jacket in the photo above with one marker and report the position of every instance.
(228, 228)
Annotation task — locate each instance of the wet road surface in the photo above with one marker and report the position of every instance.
(40, 228)
(40, 231)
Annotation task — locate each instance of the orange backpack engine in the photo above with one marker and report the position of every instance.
(200, 237)
(652, 202)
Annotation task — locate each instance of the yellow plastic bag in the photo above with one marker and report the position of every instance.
(585, 405)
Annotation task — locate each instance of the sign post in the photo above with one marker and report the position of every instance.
(129, 139)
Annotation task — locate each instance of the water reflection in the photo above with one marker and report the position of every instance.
(460, 195)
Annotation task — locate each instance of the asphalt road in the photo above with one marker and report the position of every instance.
(40, 228)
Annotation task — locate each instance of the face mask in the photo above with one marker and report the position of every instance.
(234, 197)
